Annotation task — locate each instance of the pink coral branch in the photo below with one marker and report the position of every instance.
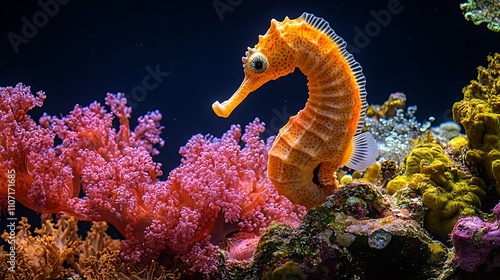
(42, 181)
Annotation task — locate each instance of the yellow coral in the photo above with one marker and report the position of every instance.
(371, 175)
(45, 255)
(479, 113)
(396, 184)
(346, 179)
(446, 191)
(423, 154)
(437, 250)
(290, 270)
(459, 141)
(388, 109)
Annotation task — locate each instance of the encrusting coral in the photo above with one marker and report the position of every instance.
(446, 191)
(479, 113)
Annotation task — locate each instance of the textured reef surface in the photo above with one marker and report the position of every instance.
(358, 233)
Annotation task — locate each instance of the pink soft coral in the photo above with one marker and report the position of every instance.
(219, 191)
(42, 181)
(114, 167)
(221, 188)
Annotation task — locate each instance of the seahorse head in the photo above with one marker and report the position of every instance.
(274, 56)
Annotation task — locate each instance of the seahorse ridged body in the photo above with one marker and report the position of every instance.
(326, 134)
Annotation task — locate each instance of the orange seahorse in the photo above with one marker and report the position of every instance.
(326, 134)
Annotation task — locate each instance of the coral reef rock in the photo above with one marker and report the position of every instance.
(358, 233)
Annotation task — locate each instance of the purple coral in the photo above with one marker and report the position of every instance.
(477, 243)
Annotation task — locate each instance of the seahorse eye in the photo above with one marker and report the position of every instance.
(258, 63)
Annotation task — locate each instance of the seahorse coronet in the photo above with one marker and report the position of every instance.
(249, 52)
(326, 134)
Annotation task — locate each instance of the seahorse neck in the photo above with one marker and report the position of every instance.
(332, 74)
(313, 65)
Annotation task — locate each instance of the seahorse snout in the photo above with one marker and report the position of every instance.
(248, 85)
(270, 59)
(220, 109)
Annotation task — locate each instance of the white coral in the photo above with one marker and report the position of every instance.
(395, 135)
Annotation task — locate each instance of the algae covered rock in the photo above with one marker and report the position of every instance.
(357, 233)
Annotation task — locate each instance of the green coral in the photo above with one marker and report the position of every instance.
(446, 191)
(270, 242)
(291, 270)
(483, 11)
(479, 113)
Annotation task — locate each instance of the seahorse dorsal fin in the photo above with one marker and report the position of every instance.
(323, 26)
(364, 151)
